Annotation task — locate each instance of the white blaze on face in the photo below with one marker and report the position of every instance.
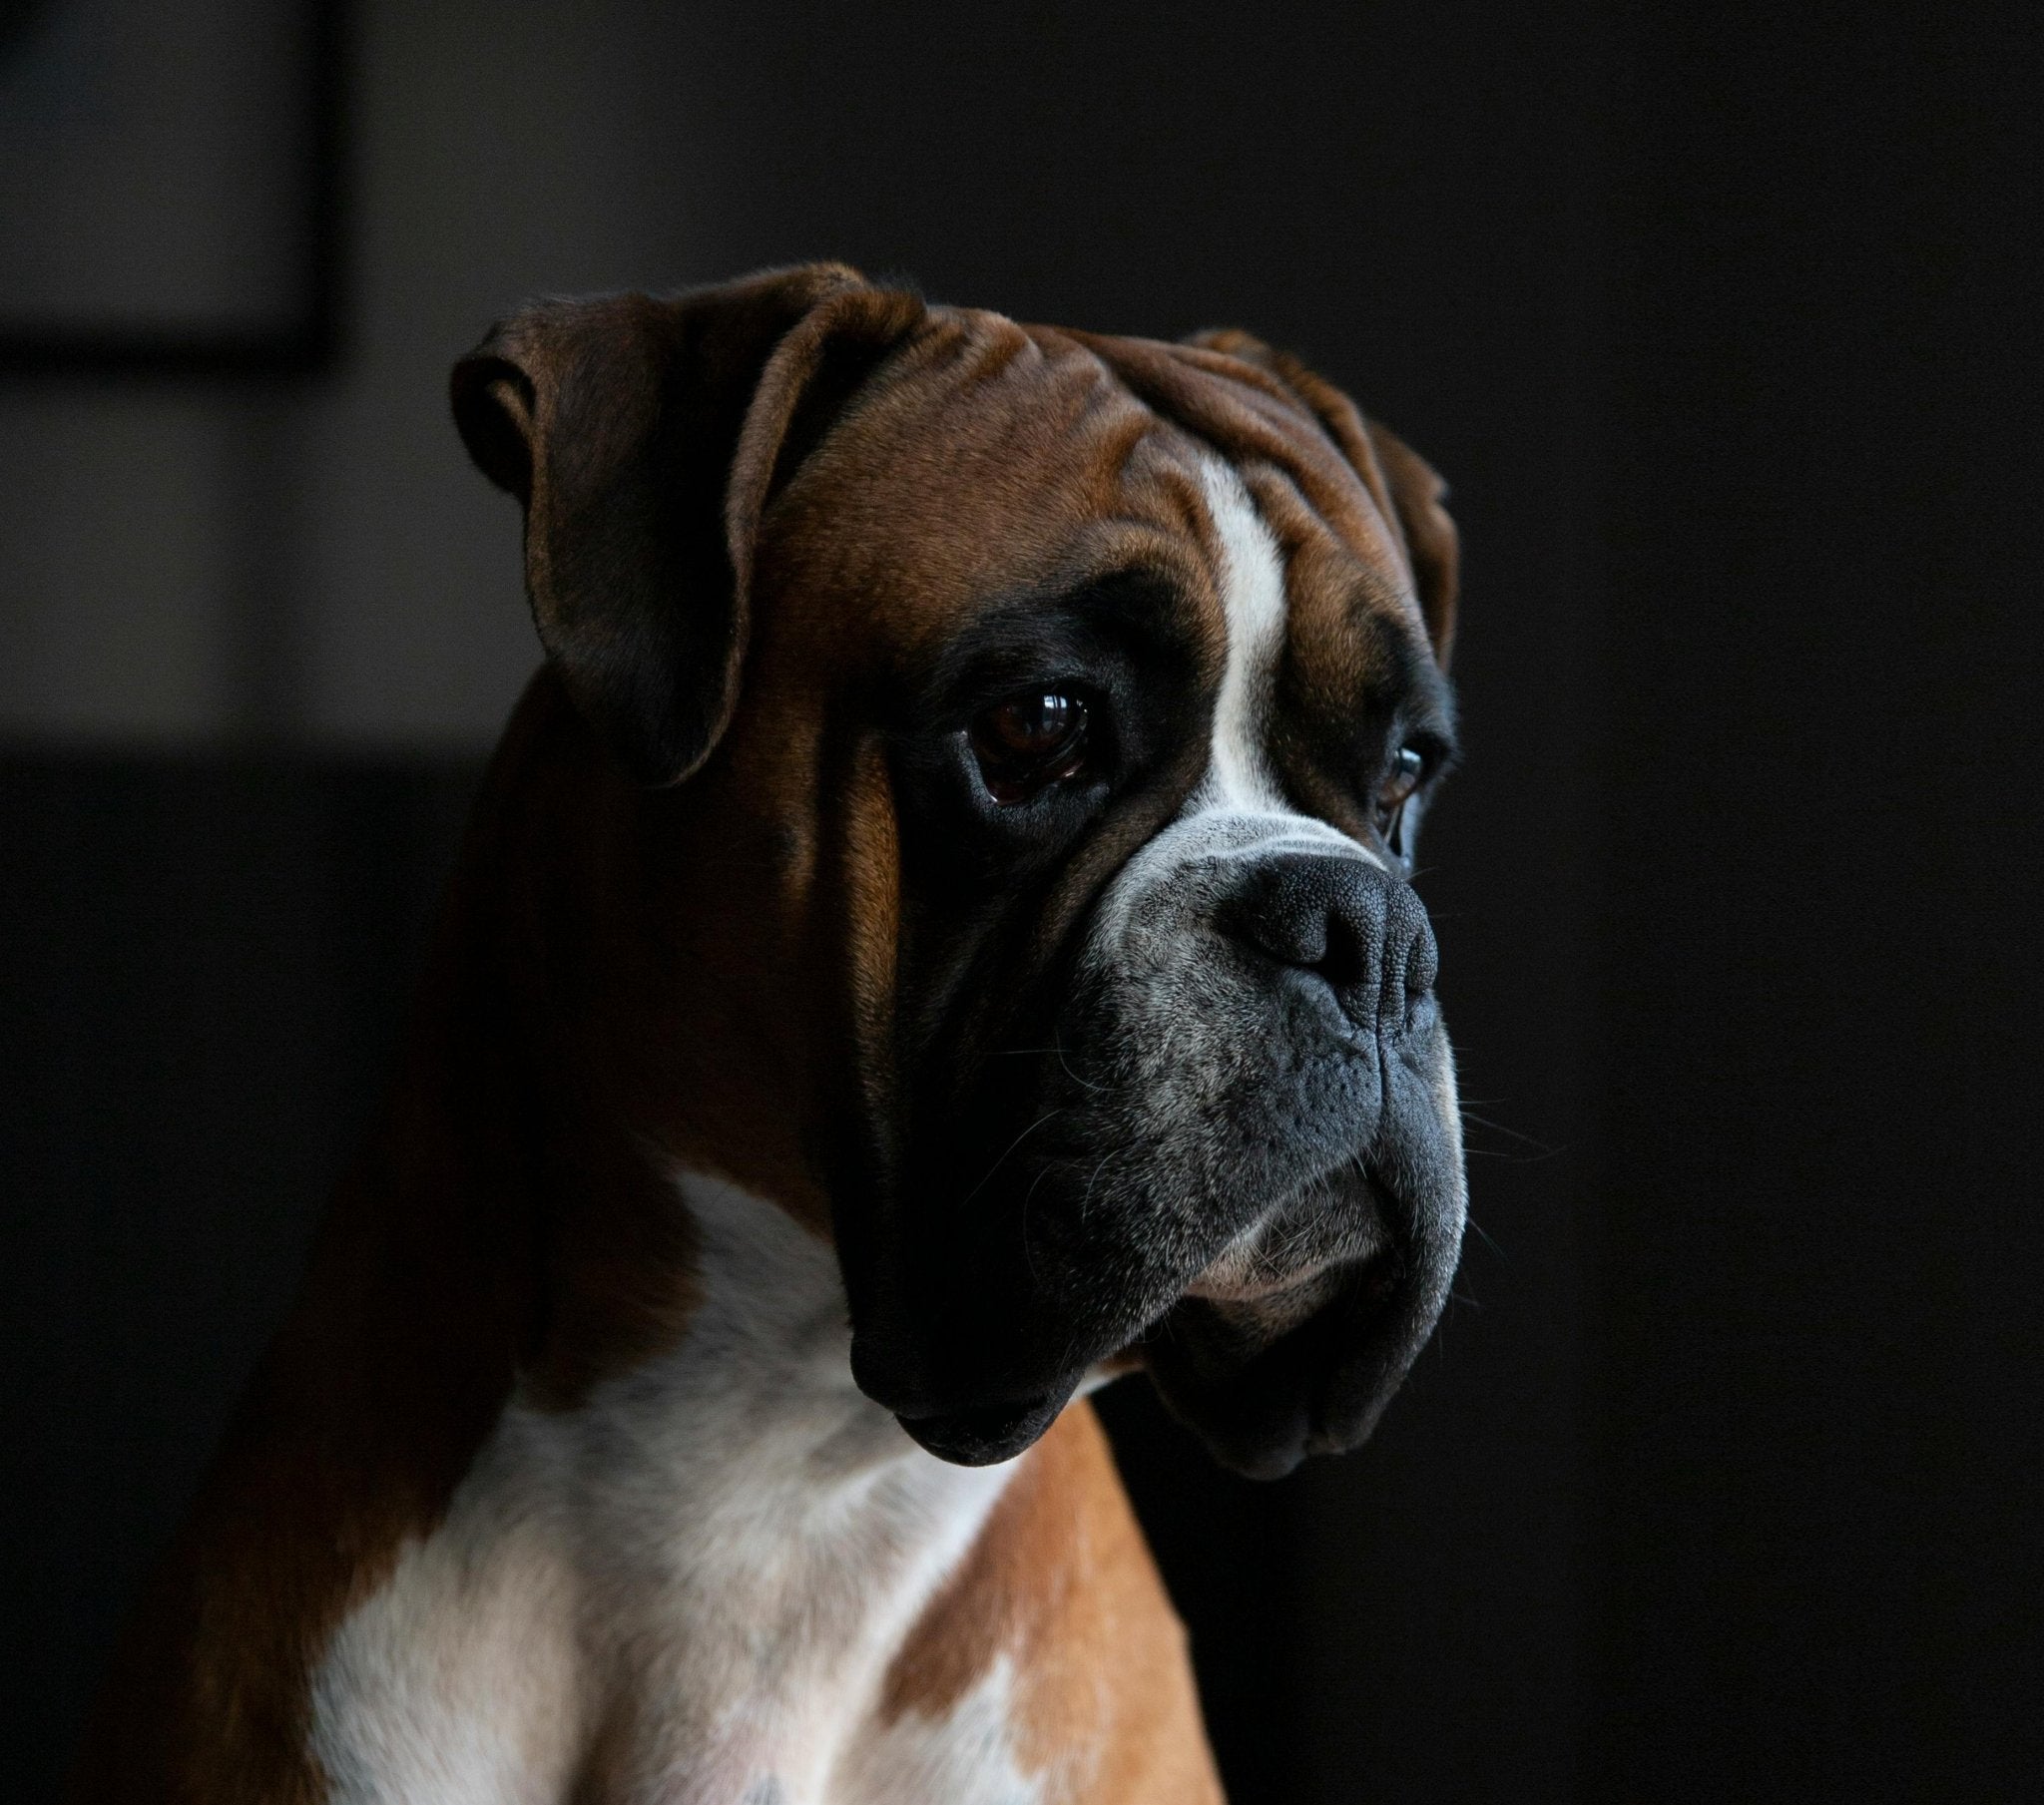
(1241, 782)
(1239, 774)
(1238, 811)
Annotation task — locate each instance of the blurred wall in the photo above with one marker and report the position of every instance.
(312, 559)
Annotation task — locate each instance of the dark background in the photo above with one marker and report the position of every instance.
(1719, 1481)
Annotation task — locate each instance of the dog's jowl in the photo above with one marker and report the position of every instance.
(936, 934)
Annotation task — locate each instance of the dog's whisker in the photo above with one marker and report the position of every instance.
(1542, 1147)
(1058, 1043)
(1484, 1235)
(986, 1178)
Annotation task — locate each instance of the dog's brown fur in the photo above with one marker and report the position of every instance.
(708, 967)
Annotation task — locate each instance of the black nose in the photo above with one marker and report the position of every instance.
(1361, 929)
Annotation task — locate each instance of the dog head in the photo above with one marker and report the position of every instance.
(1034, 727)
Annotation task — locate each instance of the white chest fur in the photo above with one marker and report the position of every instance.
(714, 1558)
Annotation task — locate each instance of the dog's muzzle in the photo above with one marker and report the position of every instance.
(1295, 1338)
(1241, 1158)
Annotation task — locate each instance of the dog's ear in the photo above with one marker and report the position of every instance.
(1407, 487)
(645, 437)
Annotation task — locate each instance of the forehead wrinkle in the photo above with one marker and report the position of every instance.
(1162, 480)
(1248, 415)
(1344, 505)
(984, 453)
(1155, 459)
(1282, 450)
(1352, 617)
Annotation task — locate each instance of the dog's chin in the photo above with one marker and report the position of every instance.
(983, 1435)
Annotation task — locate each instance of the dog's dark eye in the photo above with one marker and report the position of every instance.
(1029, 741)
(1408, 766)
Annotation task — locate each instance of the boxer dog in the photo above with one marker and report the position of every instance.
(936, 932)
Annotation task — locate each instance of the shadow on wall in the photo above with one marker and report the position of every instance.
(203, 965)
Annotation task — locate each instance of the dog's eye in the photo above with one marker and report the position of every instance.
(1409, 768)
(1029, 741)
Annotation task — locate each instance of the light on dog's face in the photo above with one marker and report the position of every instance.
(1223, 1128)
(1164, 1067)
(1283, 1123)
(1220, 1121)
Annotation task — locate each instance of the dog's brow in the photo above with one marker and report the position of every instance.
(1066, 622)
(1414, 685)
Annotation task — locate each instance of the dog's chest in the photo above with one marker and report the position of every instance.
(688, 1591)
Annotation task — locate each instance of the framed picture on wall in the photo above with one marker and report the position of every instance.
(168, 184)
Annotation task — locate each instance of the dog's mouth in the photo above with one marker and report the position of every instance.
(1266, 1381)
(1263, 1380)
(1294, 1341)
(1288, 1342)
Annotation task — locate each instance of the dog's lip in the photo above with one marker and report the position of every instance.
(1257, 1290)
(1219, 1285)
(1365, 1283)
(1250, 1269)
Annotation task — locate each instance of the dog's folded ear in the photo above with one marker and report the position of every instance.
(1405, 486)
(645, 436)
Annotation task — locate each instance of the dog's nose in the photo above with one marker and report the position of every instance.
(1361, 930)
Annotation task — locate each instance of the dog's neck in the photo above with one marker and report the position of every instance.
(697, 1577)
(687, 1547)
(557, 1485)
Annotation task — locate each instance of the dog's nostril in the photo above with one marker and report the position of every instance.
(1344, 959)
(1274, 916)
